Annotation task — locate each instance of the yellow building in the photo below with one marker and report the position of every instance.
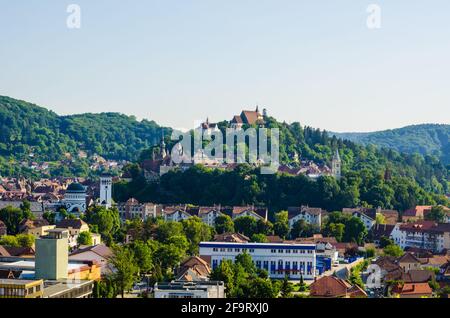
(15, 288)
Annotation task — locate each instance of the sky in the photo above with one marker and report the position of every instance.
(180, 61)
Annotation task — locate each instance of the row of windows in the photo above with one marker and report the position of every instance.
(14, 291)
(273, 251)
(280, 267)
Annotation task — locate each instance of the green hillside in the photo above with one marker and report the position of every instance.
(427, 139)
(30, 132)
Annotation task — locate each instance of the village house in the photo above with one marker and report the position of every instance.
(422, 234)
(75, 227)
(312, 216)
(248, 117)
(412, 290)
(193, 269)
(333, 287)
(133, 209)
(37, 228)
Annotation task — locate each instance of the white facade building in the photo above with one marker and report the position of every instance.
(75, 198)
(422, 234)
(106, 191)
(367, 220)
(278, 259)
(309, 215)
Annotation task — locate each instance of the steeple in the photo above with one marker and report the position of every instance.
(257, 108)
(162, 146)
(336, 165)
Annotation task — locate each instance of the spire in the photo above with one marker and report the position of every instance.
(257, 108)
(336, 156)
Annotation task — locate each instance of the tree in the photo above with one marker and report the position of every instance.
(393, 250)
(224, 224)
(196, 231)
(50, 217)
(261, 288)
(171, 253)
(25, 240)
(303, 229)
(245, 225)
(281, 225)
(166, 230)
(355, 231)
(85, 238)
(143, 254)
(264, 227)
(286, 288)
(9, 240)
(437, 214)
(380, 219)
(259, 238)
(125, 267)
(105, 221)
(336, 230)
(12, 217)
(385, 241)
(245, 260)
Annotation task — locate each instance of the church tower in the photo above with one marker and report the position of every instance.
(162, 147)
(106, 191)
(336, 165)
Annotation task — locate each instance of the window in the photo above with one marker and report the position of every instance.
(237, 250)
(215, 249)
(222, 249)
(280, 251)
(288, 251)
(273, 251)
(252, 250)
(258, 264)
(230, 250)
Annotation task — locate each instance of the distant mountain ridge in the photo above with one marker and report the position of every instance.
(426, 139)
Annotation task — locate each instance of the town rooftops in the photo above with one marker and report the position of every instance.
(294, 211)
(284, 245)
(380, 230)
(71, 223)
(331, 287)
(231, 237)
(413, 289)
(425, 226)
(101, 250)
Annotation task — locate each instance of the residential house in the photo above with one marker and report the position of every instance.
(422, 234)
(193, 269)
(231, 237)
(380, 230)
(258, 213)
(209, 215)
(22, 252)
(412, 290)
(177, 214)
(133, 209)
(37, 228)
(99, 254)
(409, 262)
(75, 227)
(309, 215)
(333, 287)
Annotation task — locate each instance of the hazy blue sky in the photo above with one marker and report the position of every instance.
(179, 61)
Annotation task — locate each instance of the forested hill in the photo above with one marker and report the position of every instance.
(32, 132)
(427, 139)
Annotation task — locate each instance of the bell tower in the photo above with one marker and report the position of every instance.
(336, 165)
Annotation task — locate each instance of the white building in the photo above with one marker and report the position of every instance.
(182, 289)
(422, 234)
(309, 215)
(368, 221)
(75, 198)
(209, 215)
(106, 191)
(278, 259)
